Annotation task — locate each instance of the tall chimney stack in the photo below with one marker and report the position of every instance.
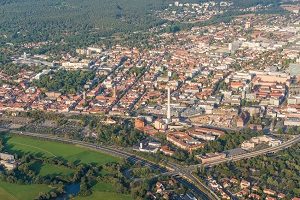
(169, 105)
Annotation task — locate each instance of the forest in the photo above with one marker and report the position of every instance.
(84, 22)
(32, 20)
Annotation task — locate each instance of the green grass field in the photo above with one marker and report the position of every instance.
(48, 169)
(104, 191)
(6, 195)
(10, 191)
(19, 144)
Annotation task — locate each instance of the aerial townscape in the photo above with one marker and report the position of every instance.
(149, 99)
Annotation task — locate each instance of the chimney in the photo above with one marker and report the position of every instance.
(169, 105)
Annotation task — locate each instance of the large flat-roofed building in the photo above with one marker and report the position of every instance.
(247, 145)
(5, 156)
(149, 147)
(293, 100)
(292, 121)
(211, 131)
(184, 141)
(210, 157)
(83, 64)
(9, 165)
(203, 133)
(202, 136)
(8, 161)
(268, 80)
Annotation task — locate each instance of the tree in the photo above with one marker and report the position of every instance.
(280, 130)
(84, 191)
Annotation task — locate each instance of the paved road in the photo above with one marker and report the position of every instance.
(187, 173)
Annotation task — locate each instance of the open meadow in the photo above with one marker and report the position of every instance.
(10, 191)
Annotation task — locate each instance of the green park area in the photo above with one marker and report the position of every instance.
(50, 169)
(47, 149)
